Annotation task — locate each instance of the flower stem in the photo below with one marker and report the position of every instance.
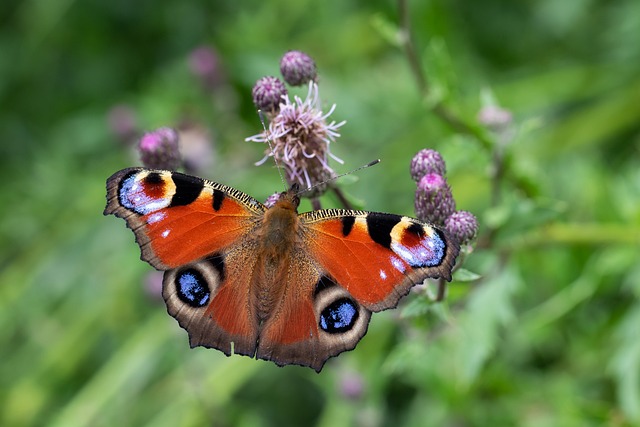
(439, 109)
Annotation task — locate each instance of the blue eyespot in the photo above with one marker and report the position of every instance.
(192, 288)
(339, 316)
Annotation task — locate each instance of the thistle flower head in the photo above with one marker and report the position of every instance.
(268, 93)
(122, 122)
(298, 68)
(351, 385)
(197, 148)
(160, 149)
(434, 201)
(205, 65)
(427, 161)
(462, 226)
(300, 137)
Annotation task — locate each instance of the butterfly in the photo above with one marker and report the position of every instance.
(268, 282)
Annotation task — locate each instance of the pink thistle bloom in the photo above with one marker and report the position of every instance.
(300, 137)
(160, 149)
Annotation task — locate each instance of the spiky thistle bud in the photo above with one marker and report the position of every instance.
(268, 93)
(462, 226)
(427, 161)
(434, 201)
(160, 149)
(298, 68)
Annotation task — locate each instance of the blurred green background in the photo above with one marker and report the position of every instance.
(548, 336)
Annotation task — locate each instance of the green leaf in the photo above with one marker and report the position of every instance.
(464, 275)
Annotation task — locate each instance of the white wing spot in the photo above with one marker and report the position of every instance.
(398, 264)
(158, 216)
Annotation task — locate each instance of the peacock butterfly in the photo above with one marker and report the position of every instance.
(268, 282)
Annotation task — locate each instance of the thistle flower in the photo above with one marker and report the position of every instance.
(351, 385)
(462, 226)
(160, 149)
(300, 137)
(268, 93)
(298, 68)
(153, 285)
(196, 147)
(122, 122)
(434, 201)
(427, 161)
(205, 65)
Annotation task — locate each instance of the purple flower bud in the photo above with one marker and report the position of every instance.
(153, 285)
(122, 122)
(160, 149)
(298, 68)
(434, 201)
(351, 385)
(204, 64)
(267, 94)
(196, 147)
(462, 226)
(427, 161)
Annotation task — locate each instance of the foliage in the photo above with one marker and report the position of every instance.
(541, 328)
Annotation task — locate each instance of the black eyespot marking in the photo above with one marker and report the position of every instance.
(153, 178)
(192, 288)
(188, 189)
(217, 262)
(218, 198)
(339, 316)
(416, 229)
(347, 224)
(380, 225)
(324, 283)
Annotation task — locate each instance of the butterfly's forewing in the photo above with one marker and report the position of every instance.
(377, 257)
(177, 218)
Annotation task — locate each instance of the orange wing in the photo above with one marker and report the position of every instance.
(177, 218)
(377, 257)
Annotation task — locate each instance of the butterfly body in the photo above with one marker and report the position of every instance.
(268, 282)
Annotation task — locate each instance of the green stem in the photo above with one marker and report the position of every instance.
(439, 109)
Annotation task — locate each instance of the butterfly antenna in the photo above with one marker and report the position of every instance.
(371, 163)
(270, 142)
